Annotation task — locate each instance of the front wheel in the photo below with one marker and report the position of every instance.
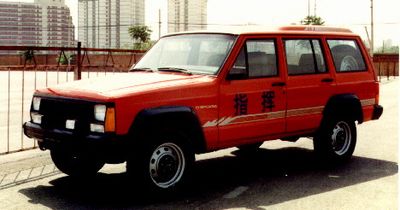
(163, 165)
(336, 140)
(167, 165)
(76, 164)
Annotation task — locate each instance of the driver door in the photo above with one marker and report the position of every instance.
(252, 99)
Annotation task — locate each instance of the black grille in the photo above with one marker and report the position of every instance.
(56, 111)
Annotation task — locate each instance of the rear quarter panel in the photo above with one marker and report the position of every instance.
(363, 84)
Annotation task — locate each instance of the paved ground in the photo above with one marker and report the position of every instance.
(281, 175)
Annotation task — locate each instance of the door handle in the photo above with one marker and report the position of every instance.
(327, 80)
(278, 84)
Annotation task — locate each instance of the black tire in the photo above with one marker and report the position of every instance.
(162, 165)
(250, 147)
(76, 164)
(336, 140)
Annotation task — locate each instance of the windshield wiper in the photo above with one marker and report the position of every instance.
(174, 69)
(142, 69)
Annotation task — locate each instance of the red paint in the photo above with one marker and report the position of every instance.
(212, 97)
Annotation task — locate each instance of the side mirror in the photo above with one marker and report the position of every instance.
(237, 73)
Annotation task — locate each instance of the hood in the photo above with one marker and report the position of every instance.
(122, 84)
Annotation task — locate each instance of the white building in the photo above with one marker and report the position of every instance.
(42, 23)
(185, 15)
(105, 23)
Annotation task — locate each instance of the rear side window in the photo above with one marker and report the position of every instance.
(346, 55)
(304, 56)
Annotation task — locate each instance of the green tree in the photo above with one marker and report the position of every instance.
(312, 20)
(140, 35)
(64, 59)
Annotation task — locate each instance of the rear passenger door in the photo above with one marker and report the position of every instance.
(252, 97)
(309, 83)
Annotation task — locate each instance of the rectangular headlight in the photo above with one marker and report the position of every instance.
(36, 103)
(100, 112)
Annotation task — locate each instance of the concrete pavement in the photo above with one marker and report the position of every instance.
(282, 175)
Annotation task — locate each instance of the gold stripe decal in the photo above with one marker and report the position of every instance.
(245, 119)
(367, 102)
(305, 111)
(274, 115)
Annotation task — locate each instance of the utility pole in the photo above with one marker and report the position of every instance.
(315, 7)
(372, 29)
(308, 13)
(159, 23)
(369, 40)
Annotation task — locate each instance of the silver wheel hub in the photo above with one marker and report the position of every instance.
(167, 164)
(341, 138)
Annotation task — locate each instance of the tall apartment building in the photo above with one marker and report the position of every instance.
(105, 23)
(42, 23)
(185, 15)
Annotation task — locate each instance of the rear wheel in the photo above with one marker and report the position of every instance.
(76, 164)
(336, 140)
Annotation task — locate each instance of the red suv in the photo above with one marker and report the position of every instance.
(197, 92)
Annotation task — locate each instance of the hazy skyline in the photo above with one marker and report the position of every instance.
(353, 14)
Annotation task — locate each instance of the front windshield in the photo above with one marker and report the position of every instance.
(196, 53)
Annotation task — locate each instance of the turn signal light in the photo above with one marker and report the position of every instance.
(110, 120)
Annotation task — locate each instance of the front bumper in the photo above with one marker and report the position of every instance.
(378, 110)
(107, 146)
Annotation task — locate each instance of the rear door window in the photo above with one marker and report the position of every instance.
(346, 55)
(304, 56)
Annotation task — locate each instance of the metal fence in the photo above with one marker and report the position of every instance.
(25, 69)
(386, 65)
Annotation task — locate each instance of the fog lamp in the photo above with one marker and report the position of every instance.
(96, 128)
(36, 118)
(70, 124)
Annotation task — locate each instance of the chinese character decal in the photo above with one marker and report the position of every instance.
(241, 104)
(268, 100)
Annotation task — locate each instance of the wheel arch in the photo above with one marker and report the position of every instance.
(179, 117)
(348, 105)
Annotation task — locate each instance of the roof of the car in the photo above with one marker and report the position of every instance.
(294, 29)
